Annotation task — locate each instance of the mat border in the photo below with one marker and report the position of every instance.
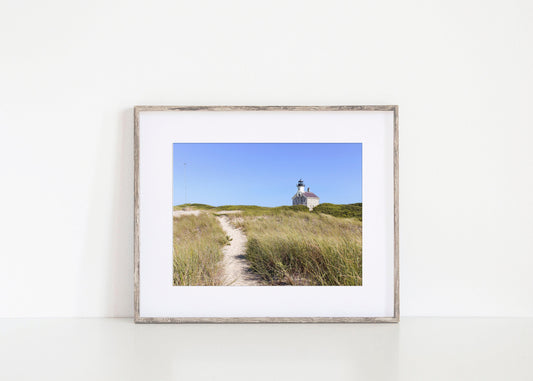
(239, 320)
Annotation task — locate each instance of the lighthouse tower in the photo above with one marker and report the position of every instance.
(301, 186)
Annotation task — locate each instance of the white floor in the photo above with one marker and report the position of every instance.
(416, 349)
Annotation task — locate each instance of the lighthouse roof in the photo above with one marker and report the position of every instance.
(310, 194)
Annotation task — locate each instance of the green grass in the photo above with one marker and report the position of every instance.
(302, 248)
(192, 206)
(197, 250)
(341, 210)
(337, 210)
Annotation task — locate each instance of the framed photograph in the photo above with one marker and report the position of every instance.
(266, 214)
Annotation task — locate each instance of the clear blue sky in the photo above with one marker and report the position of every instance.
(265, 173)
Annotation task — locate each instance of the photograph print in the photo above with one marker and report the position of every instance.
(267, 214)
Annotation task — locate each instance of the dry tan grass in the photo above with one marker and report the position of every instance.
(302, 248)
(197, 250)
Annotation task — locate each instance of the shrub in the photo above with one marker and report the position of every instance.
(341, 210)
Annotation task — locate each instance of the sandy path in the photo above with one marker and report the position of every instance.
(236, 269)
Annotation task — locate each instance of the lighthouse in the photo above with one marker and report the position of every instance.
(302, 197)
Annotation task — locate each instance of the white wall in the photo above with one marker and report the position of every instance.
(70, 73)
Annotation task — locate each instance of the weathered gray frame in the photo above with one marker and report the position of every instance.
(393, 319)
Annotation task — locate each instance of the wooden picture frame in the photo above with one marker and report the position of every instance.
(393, 129)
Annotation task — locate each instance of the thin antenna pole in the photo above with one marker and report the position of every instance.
(185, 180)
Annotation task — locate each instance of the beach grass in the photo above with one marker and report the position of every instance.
(287, 247)
(197, 250)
